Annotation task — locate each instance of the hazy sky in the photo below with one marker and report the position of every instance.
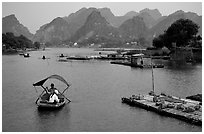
(34, 15)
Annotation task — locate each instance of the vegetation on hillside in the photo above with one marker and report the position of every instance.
(10, 41)
(182, 33)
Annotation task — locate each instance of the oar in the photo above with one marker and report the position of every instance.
(64, 96)
(45, 89)
(39, 96)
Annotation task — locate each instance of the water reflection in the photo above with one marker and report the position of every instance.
(53, 120)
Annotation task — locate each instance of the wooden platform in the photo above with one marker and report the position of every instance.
(147, 103)
(134, 65)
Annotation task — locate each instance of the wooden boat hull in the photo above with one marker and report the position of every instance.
(78, 58)
(26, 56)
(43, 102)
(47, 105)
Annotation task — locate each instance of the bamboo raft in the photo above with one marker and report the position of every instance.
(134, 65)
(183, 109)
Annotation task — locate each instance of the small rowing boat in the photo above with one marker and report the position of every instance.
(26, 55)
(43, 100)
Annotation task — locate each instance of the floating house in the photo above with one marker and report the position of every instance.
(140, 59)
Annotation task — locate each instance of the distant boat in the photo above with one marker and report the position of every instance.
(63, 59)
(78, 58)
(26, 55)
(43, 57)
(62, 55)
(42, 101)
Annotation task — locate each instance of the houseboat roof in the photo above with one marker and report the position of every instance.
(138, 55)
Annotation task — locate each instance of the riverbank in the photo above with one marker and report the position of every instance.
(17, 51)
(9, 51)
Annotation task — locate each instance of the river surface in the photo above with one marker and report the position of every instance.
(96, 91)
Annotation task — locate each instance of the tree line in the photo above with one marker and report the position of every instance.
(10, 41)
(182, 33)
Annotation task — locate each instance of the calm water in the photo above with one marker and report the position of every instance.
(96, 91)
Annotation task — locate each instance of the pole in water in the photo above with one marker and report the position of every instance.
(152, 76)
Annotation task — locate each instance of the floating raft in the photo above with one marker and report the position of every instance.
(134, 65)
(77, 58)
(173, 107)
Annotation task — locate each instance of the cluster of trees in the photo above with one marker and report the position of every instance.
(181, 33)
(20, 42)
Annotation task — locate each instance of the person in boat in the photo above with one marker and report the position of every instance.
(43, 57)
(53, 97)
(141, 61)
(52, 88)
(61, 55)
(53, 94)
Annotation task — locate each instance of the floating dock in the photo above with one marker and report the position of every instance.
(78, 58)
(183, 109)
(134, 65)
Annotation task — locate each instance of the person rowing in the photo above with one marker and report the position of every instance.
(53, 94)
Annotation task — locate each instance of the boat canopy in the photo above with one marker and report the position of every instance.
(40, 83)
